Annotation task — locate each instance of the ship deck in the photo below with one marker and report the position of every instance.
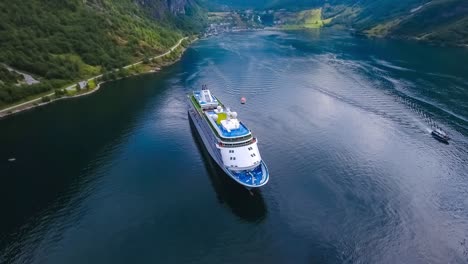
(240, 132)
(254, 178)
(207, 100)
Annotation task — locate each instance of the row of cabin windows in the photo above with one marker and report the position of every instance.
(237, 145)
(236, 140)
(252, 155)
(232, 151)
(233, 158)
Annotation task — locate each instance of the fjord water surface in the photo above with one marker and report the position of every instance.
(343, 124)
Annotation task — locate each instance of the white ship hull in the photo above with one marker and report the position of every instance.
(253, 177)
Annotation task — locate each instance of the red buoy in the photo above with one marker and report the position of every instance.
(243, 100)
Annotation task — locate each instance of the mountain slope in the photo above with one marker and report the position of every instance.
(59, 41)
(439, 21)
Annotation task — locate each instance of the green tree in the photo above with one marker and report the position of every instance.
(45, 99)
(60, 93)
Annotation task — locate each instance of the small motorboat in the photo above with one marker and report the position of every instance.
(440, 135)
(243, 100)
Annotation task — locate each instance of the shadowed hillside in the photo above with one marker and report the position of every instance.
(443, 22)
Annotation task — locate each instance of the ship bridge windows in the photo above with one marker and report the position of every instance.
(228, 145)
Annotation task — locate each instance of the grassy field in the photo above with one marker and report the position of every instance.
(307, 19)
(382, 30)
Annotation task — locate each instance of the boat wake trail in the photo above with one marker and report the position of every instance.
(374, 90)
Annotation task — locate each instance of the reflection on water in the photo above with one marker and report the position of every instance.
(344, 127)
(248, 205)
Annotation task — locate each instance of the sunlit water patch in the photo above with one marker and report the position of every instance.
(343, 124)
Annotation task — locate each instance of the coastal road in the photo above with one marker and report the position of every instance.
(71, 87)
(161, 55)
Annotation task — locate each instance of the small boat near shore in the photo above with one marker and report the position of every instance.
(440, 135)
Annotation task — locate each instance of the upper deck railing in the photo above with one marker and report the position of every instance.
(216, 129)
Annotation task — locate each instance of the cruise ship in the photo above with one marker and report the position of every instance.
(229, 142)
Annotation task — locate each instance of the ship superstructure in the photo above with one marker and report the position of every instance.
(229, 141)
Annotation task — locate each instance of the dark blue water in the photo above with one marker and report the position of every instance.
(343, 124)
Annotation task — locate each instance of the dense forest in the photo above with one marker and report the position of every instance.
(60, 41)
(63, 41)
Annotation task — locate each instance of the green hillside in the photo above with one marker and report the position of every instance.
(306, 19)
(60, 41)
(438, 21)
(443, 22)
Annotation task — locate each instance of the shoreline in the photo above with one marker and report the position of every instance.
(37, 102)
